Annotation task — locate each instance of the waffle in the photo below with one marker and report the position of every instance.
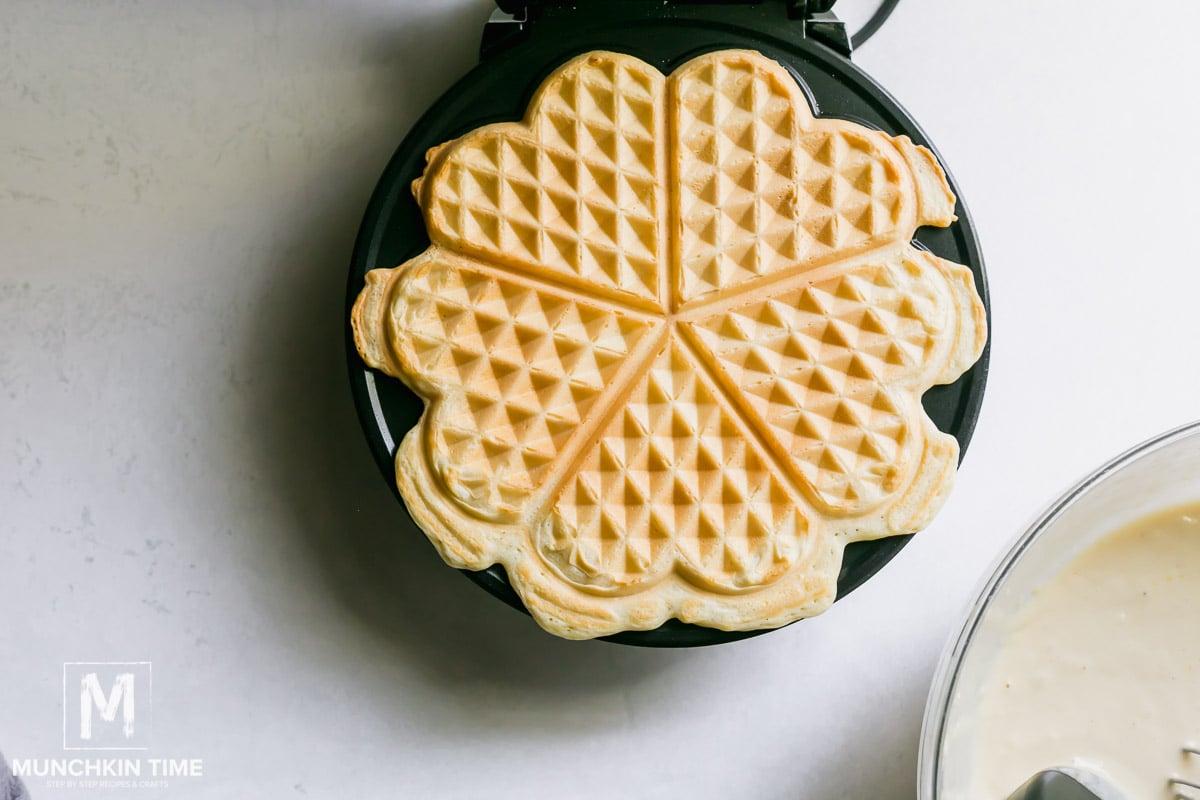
(672, 337)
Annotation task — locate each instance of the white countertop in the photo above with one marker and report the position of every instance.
(183, 480)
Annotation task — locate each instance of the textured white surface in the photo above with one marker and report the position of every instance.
(182, 478)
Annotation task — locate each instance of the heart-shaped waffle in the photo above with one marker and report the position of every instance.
(672, 335)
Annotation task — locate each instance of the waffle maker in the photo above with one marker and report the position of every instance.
(527, 39)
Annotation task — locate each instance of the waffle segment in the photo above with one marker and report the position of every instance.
(763, 187)
(511, 368)
(673, 481)
(833, 369)
(572, 192)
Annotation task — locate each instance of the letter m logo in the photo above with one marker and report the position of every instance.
(92, 696)
(106, 706)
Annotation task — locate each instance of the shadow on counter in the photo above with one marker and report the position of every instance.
(312, 450)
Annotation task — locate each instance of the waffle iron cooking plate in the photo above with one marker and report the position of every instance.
(526, 41)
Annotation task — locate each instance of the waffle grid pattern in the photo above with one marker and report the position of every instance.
(517, 368)
(758, 194)
(673, 467)
(711, 386)
(575, 193)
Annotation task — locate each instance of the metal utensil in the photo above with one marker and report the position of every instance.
(1066, 783)
(1071, 783)
(1176, 781)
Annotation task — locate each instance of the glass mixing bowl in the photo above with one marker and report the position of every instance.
(1156, 475)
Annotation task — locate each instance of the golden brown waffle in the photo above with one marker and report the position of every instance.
(673, 336)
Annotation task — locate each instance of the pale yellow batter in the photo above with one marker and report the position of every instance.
(1102, 668)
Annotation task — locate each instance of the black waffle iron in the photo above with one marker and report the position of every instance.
(526, 40)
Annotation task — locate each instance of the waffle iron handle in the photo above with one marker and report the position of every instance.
(514, 20)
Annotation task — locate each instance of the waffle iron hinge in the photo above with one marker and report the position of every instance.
(516, 20)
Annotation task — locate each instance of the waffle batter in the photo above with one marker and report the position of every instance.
(1102, 669)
